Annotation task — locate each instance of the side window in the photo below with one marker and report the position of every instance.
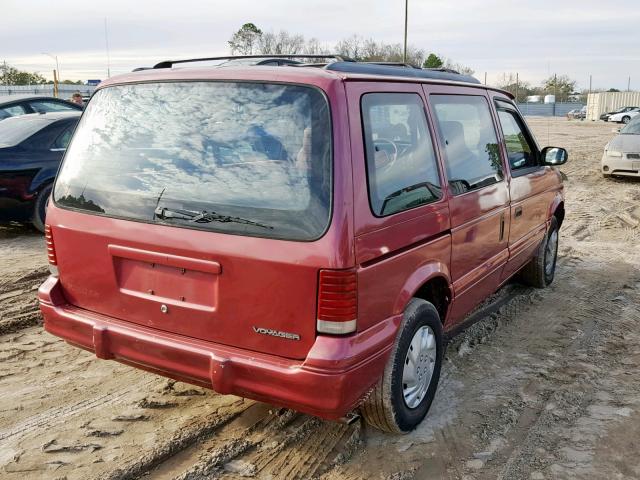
(472, 156)
(44, 107)
(11, 111)
(521, 152)
(62, 142)
(401, 162)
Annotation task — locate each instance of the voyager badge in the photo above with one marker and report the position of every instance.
(276, 333)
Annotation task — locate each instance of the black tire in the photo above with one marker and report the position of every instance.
(386, 408)
(626, 119)
(40, 208)
(535, 272)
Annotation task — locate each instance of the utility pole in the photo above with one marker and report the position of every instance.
(517, 85)
(55, 84)
(590, 81)
(629, 84)
(56, 74)
(406, 19)
(555, 92)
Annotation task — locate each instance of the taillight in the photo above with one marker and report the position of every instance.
(337, 301)
(51, 250)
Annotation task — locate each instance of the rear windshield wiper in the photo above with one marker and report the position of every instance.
(203, 217)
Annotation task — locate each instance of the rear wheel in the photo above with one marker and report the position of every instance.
(539, 272)
(40, 208)
(408, 385)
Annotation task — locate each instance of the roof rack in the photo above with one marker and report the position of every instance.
(399, 71)
(392, 64)
(344, 64)
(171, 63)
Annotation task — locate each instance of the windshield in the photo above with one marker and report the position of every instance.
(632, 128)
(14, 131)
(251, 158)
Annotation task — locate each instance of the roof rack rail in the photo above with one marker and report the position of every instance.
(399, 71)
(393, 64)
(171, 63)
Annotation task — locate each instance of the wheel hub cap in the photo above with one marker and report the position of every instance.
(418, 366)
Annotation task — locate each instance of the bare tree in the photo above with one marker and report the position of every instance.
(458, 67)
(369, 50)
(280, 43)
(352, 47)
(313, 47)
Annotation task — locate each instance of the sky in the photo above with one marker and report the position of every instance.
(534, 39)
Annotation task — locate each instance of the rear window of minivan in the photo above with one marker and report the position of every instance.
(243, 158)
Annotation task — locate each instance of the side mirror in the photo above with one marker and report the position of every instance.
(554, 156)
(615, 130)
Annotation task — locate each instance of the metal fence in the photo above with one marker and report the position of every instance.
(65, 91)
(548, 109)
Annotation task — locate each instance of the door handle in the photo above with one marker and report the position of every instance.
(502, 227)
(518, 212)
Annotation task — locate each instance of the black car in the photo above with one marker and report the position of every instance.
(31, 149)
(605, 116)
(15, 105)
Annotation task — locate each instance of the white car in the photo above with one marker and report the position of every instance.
(622, 153)
(625, 117)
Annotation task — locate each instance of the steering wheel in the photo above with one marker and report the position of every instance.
(391, 157)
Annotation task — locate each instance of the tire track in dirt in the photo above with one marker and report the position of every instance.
(539, 387)
(18, 300)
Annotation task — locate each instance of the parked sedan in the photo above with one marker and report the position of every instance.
(15, 105)
(577, 114)
(625, 117)
(31, 148)
(622, 154)
(607, 116)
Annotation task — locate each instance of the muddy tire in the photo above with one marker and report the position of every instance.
(404, 394)
(40, 208)
(539, 272)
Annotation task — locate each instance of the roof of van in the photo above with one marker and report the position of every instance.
(295, 74)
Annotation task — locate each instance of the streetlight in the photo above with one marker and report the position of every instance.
(56, 73)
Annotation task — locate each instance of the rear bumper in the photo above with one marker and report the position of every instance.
(329, 383)
(620, 166)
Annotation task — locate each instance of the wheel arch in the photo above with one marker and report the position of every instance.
(559, 213)
(430, 282)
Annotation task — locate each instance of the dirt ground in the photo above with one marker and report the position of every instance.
(546, 387)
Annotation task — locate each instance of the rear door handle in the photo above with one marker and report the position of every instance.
(518, 212)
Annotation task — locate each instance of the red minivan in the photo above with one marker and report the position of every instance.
(302, 235)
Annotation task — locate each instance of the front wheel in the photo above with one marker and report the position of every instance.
(539, 272)
(404, 394)
(626, 119)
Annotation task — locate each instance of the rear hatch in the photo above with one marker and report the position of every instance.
(194, 208)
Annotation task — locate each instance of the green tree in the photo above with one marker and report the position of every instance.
(559, 85)
(12, 76)
(433, 61)
(513, 85)
(245, 39)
